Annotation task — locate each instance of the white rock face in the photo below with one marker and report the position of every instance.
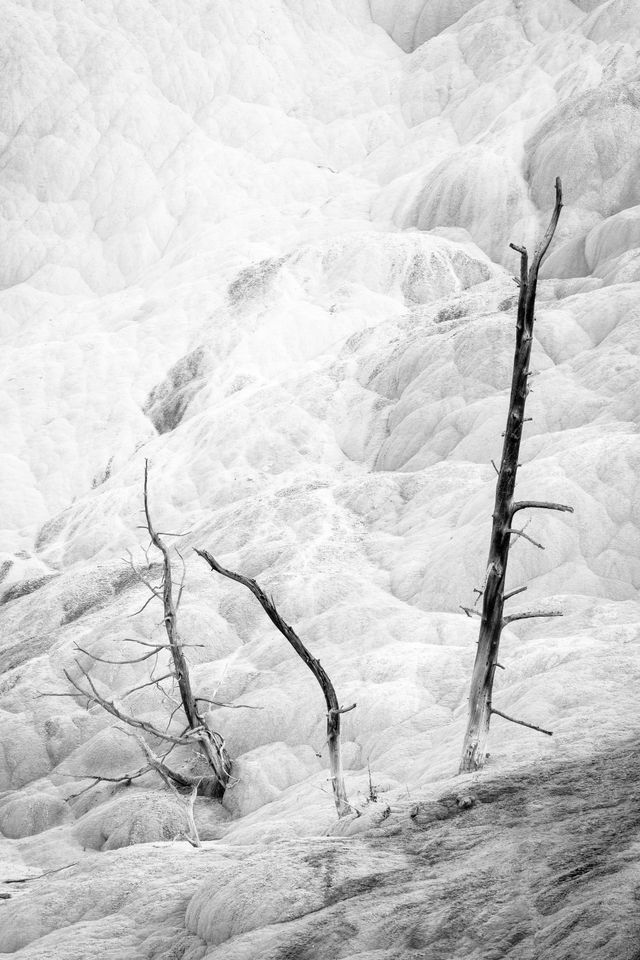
(265, 246)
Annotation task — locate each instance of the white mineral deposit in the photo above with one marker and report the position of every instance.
(263, 247)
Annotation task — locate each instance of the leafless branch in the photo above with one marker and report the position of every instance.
(126, 778)
(150, 683)
(182, 579)
(322, 677)
(540, 505)
(111, 708)
(143, 607)
(543, 246)
(522, 723)
(164, 533)
(170, 777)
(94, 656)
(530, 614)
(230, 706)
(56, 693)
(514, 593)
(521, 533)
(158, 646)
(47, 873)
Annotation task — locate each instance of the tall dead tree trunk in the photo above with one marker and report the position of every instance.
(505, 510)
(334, 710)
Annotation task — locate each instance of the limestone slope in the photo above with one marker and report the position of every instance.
(265, 247)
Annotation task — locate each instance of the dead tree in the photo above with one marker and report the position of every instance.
(504, 514)
(334, 710)
(207, 744)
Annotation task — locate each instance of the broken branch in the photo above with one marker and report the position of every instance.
(540, 505)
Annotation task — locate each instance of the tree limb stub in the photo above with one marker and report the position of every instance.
(470, 612)
(346, 709)
(514, 593)
(539, 505)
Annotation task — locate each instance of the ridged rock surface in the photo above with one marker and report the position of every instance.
(265, 246)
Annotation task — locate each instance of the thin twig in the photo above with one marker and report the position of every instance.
(111, 708)
(159, 646)
(149, 683)
(94, 656)
(522, 723)
(231, 706)
(521, 533)
(127, 778)
(47, 873)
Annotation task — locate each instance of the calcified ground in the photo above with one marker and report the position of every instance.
(265, 246)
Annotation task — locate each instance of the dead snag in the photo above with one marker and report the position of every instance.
(197, 735)
(505, 508)
(211, 744)
(334, 710)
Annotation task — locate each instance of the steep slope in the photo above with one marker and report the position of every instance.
(265, 246)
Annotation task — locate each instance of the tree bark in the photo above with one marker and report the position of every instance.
(480, 709)
(334, 711)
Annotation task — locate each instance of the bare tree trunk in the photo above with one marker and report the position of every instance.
(196, 734)
(505, 508)
(334, 711)
(211, 744)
